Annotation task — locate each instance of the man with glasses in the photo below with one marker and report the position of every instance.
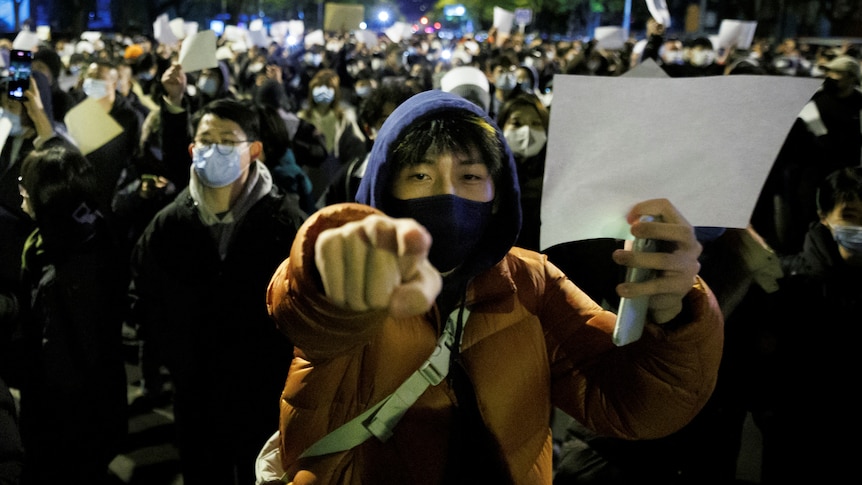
(198, 275)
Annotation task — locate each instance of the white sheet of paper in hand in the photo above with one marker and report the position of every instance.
(162, 30)
(706, 144)
(90, 126)
(199, 51)
(503, 20)
(738, 34)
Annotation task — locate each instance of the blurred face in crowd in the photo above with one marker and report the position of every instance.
(701, 56)
(845, 222)
(100, 82)
(672, 52)
(841, 83)
(209, 82)
(504, 77)
(124, 80)
(525, 131)
(323, 92)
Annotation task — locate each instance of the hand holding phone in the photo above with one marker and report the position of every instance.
(20, 62)
(631, 315)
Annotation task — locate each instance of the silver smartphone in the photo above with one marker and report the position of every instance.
(631, 315)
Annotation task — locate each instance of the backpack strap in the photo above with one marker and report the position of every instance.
(380, 420)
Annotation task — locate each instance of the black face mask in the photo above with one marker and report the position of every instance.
(456, 225)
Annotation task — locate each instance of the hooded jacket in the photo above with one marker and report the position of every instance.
(532, 341)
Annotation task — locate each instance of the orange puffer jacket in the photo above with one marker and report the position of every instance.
(533, 341)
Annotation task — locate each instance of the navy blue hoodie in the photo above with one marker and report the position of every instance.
(506, 222)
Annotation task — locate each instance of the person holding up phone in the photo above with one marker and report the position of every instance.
(20, 63)
(24, 126)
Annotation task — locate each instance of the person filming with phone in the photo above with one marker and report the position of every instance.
(418, 291)
(25, 124)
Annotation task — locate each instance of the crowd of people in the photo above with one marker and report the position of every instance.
(291, 233)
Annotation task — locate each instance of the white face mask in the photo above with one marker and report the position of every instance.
(702, 58)
(208, 85)
(95, 88)
(525, 141)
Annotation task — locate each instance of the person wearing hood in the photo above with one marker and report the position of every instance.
(198, 273)
(73, 378)
(418, 291)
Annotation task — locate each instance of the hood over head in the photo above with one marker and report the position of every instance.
(374, 189)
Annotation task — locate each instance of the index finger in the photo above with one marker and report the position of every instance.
(404, 237)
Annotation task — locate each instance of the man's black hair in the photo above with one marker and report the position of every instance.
(840, 186)
(240, 112)
(51, 59)
(371, 108)
(455, 131)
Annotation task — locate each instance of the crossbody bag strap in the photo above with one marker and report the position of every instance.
(380, 420)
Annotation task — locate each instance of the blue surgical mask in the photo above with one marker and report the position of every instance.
(15, 120)
(849, 237)
(456, 225)
(95, 88)
(363, 91)
(217, 165)
(323, 94)
(207, 85)
(505, 81)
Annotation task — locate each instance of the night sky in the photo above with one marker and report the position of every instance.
(413, 9)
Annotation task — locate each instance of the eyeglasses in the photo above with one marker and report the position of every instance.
(224, 147)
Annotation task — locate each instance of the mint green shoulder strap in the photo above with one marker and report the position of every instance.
(381, 419)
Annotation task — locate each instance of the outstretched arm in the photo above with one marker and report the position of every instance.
(378, 263)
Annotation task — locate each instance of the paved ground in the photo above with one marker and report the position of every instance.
(149, 456)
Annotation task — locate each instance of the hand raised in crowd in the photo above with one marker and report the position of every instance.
(36, 111)
(377, 263)
(174, 81)
(272, 72)
(654, 27)
(676, 269)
